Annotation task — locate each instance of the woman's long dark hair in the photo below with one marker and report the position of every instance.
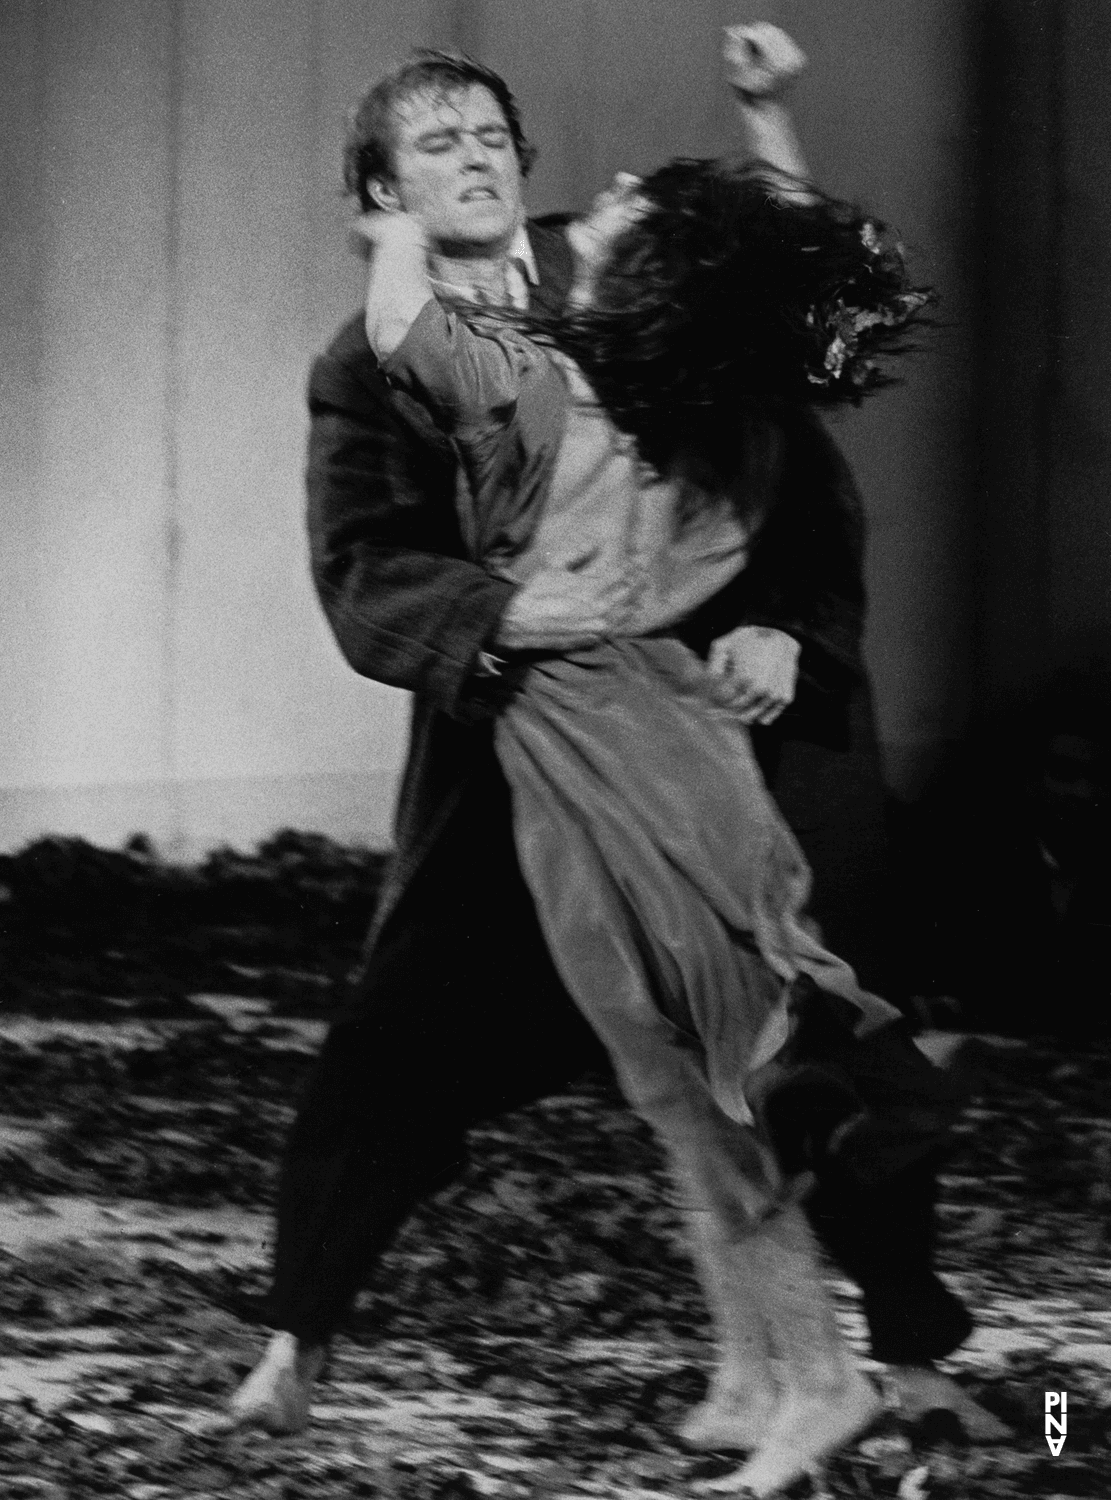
(734, 303)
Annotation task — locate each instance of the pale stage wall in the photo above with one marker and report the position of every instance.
(174, 253)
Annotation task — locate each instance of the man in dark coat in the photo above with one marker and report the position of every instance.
(456, 1013)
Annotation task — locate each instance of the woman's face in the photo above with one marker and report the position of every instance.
(592, 237)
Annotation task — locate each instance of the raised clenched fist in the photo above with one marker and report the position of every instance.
(761, 61)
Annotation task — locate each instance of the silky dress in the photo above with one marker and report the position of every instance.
(669, 889)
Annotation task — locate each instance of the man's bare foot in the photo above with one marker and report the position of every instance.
(920, 1390)
(807, 1427)
(276, 1394)
(730, 1419)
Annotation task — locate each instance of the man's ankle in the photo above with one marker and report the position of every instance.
(297, 1349)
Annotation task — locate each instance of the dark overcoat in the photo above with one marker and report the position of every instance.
(409, 609)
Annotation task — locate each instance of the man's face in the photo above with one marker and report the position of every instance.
(456, 170)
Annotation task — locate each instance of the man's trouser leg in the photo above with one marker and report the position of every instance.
(464, 1019)
(883, 1238)
(355, 1166)
(871, 1118)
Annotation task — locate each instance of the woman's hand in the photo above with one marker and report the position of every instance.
(761, 61)
(592, 237)
(754, 671)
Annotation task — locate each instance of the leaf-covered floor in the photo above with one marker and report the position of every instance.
(537, 1331)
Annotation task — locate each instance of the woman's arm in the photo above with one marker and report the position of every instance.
(761, 63)
(397, 284)
(469, 378)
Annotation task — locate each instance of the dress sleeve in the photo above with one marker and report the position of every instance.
(471, 380)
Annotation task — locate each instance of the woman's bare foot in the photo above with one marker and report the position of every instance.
(807, 1427)
(730, 1418)
(743, 1393)
(920, 1390)
(277, 1393)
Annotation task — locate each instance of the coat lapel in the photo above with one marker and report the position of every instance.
(554, 263)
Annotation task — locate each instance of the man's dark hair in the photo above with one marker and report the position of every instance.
(368, 150)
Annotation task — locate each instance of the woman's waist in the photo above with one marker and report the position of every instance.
(655, 662)
(622, 597)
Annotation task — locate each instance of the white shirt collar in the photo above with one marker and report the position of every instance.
(521, 250)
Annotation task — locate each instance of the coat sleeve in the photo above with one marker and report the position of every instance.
(808, 565)
(406, 608)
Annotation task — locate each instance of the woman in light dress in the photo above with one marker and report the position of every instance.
(617, 463)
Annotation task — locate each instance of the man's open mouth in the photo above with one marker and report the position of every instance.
(474, 195)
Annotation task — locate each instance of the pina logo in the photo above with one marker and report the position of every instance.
(1056, 1401)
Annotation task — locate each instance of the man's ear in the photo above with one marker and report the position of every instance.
(383, 194)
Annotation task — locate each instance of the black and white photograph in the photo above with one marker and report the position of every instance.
(555, 844)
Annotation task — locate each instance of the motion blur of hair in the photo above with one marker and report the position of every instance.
(677, 340)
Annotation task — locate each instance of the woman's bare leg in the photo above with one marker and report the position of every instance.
(760, 1263)
(825, 1400)
(742, 1394)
